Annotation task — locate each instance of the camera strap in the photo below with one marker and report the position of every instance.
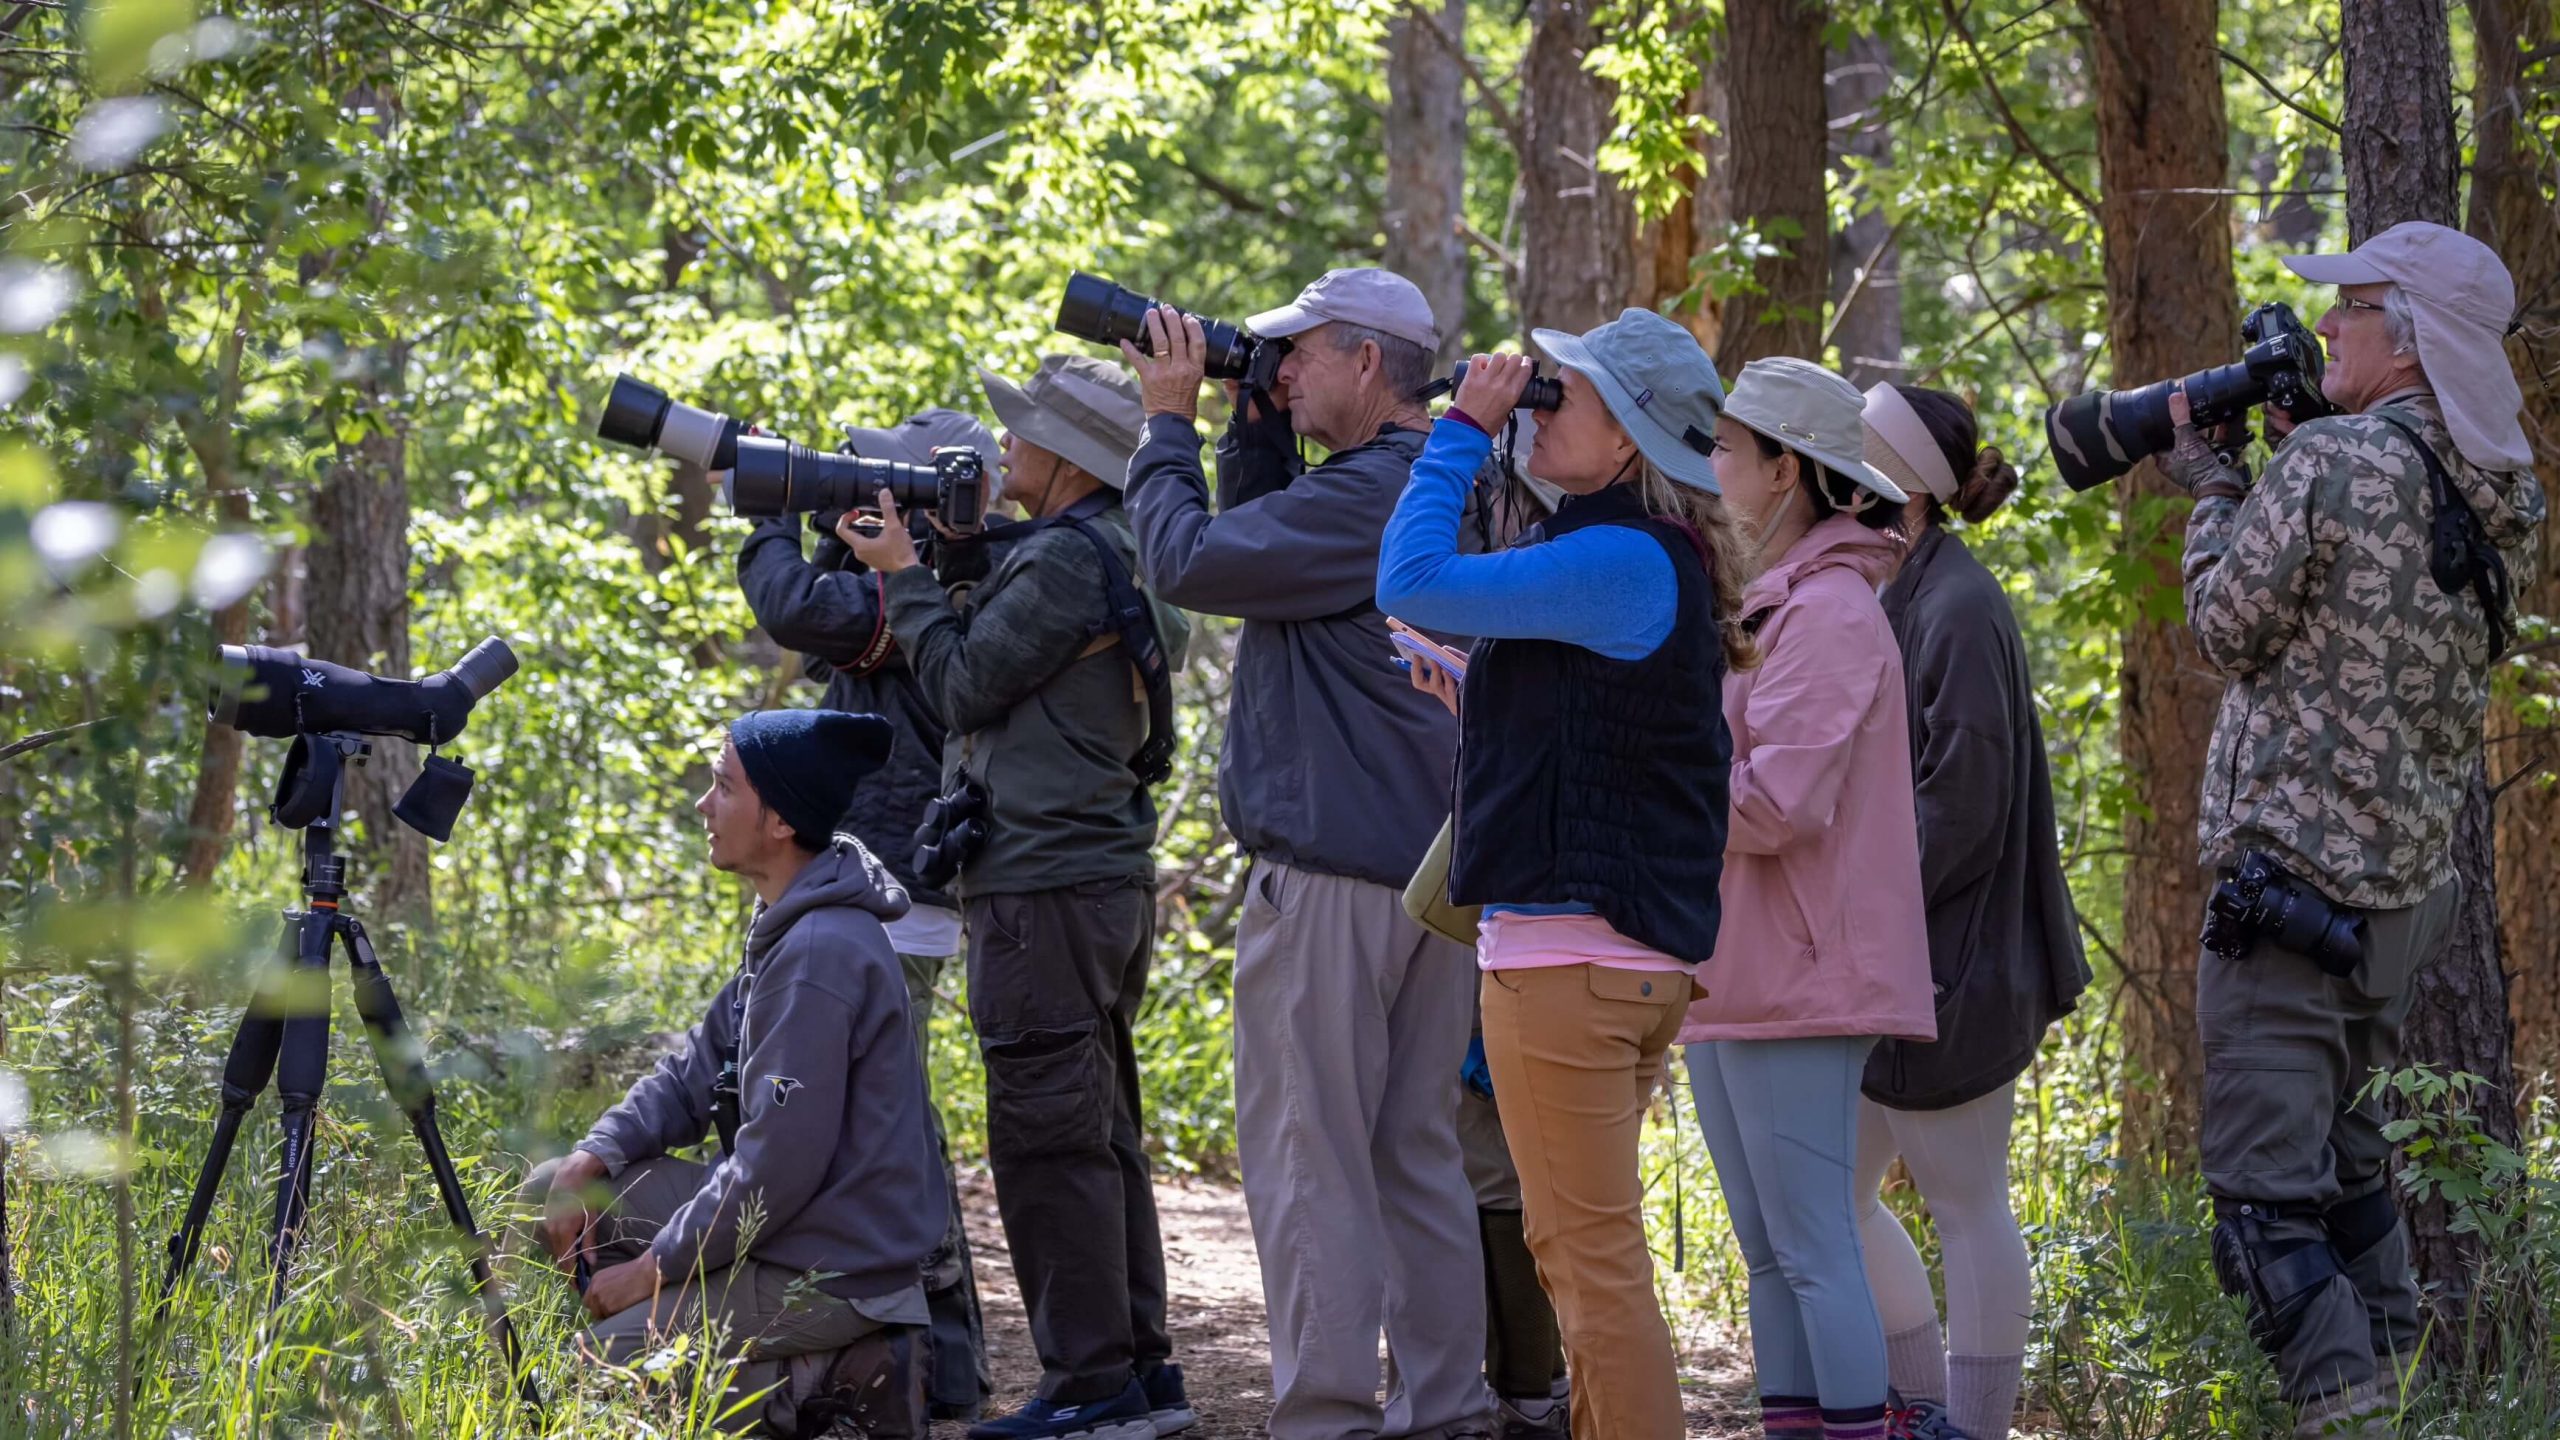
(2458, 550)
(1129, 616)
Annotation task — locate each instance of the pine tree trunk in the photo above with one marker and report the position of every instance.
(1427, 168)
(2398, 116)
(1866, 259)
(2172, 308)
(2513, 214)
(1578, 249)
(359, 615)
(1781, 156)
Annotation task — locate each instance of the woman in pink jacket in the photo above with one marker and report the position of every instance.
(1825, 945)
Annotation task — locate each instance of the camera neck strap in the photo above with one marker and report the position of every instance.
(2458, 550)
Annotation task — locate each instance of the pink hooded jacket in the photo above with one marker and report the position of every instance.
(1824, 929)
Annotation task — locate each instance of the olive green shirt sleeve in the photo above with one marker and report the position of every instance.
(1019, 628)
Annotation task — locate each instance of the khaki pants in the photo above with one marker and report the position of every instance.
(1576, 1053)
(1351, 1023)
(787, 1331)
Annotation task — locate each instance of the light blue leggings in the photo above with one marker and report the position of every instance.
(1781, 1120)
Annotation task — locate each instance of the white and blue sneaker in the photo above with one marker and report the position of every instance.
(1125, 1416)
(1167, 1406)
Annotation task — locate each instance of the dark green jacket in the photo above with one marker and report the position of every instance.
(1043, 719)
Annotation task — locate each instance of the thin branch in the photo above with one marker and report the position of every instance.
(1858, 286)
(2281, 98)
(1492, 248)
(42, 738)
(1503, 115)
(2018, 135)
(1998, 318)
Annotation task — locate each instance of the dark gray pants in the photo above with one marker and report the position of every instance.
(2286, 1048)
(959, 1382)
(1055, 978)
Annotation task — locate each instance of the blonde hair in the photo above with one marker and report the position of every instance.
(1729, 559)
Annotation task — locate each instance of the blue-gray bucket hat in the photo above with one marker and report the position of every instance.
(1656, 379)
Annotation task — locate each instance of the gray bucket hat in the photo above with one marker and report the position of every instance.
(1813, 412)
(1660, 384)
(1081, 408)
(914, 439)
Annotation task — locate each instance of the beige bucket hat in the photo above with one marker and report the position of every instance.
(1813, 412)
(1080, 407)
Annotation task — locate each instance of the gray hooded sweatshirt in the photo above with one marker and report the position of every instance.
(835, 1159)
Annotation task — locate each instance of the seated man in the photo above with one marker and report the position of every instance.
(800, 1251)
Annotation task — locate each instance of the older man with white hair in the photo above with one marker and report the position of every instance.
(2354, 600)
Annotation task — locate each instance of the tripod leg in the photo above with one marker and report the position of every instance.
(396, 1050)
(301, 1073)
(245, 1072)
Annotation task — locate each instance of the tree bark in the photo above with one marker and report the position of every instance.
(1774, 71)
(359, 615)
(2398, 116)
(1866, 258)
(2172, 308)
(2513, 213)
(215, 804)
(1578, 228)
(1427, 167)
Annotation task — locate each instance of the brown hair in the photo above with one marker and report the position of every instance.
(1728, 558)
(1984, 477)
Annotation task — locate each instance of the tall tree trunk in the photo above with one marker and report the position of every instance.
(2513, 211)
(1427, 167)
(2400, 72)
(1781, 152)
(2172, 308)
(1866, 259)
(1578, 228)
(2398, 116)
(359, 615)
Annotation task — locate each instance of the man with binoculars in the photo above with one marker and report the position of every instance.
(2354, 600)
(1051, 676)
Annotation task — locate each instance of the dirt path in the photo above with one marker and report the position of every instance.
(1217, 1320)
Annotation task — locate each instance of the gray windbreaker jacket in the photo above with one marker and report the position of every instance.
(1333, 762)
(835, 1154)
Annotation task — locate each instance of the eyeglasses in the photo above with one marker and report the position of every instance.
(2349, 302)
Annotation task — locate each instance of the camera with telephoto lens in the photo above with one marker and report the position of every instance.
(953, 832)
(782, 477)
(641, 416)
(1095, 309)
(2261, 901)
(1543, 392)
(2101, 435)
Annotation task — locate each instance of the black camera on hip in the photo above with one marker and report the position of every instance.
(953, 832)
(2260, 900)
(2101, 435)
(1095, 309)
(783, 477)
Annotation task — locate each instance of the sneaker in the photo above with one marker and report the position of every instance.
(1548, 1419)
(876, 1385)
(1168, 1408)
(1920, 1420)
(1125, 1416)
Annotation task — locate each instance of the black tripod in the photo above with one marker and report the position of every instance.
(284, 1037)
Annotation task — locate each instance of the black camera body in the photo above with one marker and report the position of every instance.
(1543, 392)
(2101, 435)
(953, 832)
(1095, 309)
(2260, 900)
(782, 477)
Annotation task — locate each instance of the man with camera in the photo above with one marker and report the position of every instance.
(2354, 599)
(1351, 1020)
(833, 611)
(801, 1250)
(1052, 676)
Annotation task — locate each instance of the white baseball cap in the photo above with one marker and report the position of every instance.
(2462, 300)
(1380, 300)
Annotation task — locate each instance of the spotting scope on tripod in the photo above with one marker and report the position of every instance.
(283, 1036)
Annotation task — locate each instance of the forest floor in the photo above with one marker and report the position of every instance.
(1218, 1332)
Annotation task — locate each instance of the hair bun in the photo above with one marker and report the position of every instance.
(1990, 485)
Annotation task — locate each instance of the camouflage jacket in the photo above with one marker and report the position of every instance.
(2351, 712)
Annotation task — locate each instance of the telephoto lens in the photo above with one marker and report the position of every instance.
(2101, 435)
(641, 416)
(276, 693)
(782, 477)
(1095, 309)
(1543, 392)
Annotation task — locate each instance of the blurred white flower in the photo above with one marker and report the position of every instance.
(13, 379)
(13, 1101)
(114, 131)
(32, 296)
(217, 36)
(155, 593)
(85, 1153)
(227, 567)
(73, 533)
